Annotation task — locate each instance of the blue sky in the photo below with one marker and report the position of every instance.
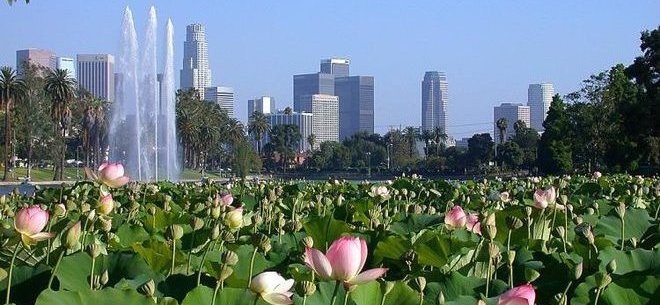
(490, 50)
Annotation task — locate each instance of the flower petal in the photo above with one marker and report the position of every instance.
(119, 182)
(42, 236)
(284, 287)
(318, 262)
(277, 298)
(513, 301)
(345, 256)
(367, 276)
(365, 251)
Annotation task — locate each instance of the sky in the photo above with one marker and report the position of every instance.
(490, 50)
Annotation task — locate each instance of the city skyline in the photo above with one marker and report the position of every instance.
(527, 46)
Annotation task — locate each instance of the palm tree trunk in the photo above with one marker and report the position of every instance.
(7, 138)
(63, 156)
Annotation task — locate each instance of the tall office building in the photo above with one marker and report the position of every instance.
(325, 122)
(356, 104)
(39, 57)
(264, 104)
(435, 96)
(302, 120)
(96, 74)
(306, 85)
(337, 66)
(539, 97)
(511, 112)
(223, 96)
(195, 72)
(65, 63)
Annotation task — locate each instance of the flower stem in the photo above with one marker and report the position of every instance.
(201, 264)
(490, 261)
(91, 274)
(334, 293)
(623, 233)
(57, 265)
(11, 271)
(254, 254)
(215, 292)
(564, 297)
(304, 300)
(597, 296)
(173, 256)
(192, 243)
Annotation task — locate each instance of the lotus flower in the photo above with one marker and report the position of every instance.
(112, 175)
(272, 287)
(505, 197)
(29, 222)
(472, 223)
(343, 262)
(227, 199)
(234, 218)
(521, 295)
(597, 175)
(542, 198)
(455, 218)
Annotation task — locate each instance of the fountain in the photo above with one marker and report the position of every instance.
(142, 131)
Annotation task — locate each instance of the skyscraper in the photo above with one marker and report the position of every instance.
(39, 57)
(302, 120)
(337, 66)
(325, 122)
(356, 104)
(96, 74)
(306, 85)
(195, 72)
(435, 97)
(264, 104)
(223, 96)
(539, 97)
(65, 63)
(511, 112)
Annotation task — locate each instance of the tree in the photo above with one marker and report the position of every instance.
(11, 89)
(501, 127)
(284, 140)
(311, 140)
(511, 156)
(258, 127)
(480, 149)
(555, 145)
(411, 135)
(245, 159)
(60, 88)
(426, 136)
(527, 140)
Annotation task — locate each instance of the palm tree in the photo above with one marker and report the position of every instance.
(501, 126)
(60, 87)
(11, 89)
(410, 134)
(519, 126)
(258, 127)
(311, 140)
(426, 136)
(439, 136)
(288, 111)
(235, 131)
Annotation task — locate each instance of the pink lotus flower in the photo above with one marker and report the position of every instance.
(455, 218)
(106, 204)
(343, 262)
(112, 175)
(29, 222)
(542, 198)
(273, 288)
(472, 223)
(227, 199)
(521, 295)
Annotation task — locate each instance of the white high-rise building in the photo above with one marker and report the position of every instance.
(264, 104)
(435, 97)
(223, 96)
(96, 74)
(65, 63)
(195, 72)
(512, 113)
(325, 122)
(539, 97)
(302, 120)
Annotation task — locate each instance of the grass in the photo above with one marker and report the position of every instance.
(71, 174)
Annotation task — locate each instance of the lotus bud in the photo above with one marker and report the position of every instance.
(441, 298)
(148, 288)
(531, 275)
(305, 288)
(225, 272)
(73, 237)
(578, 220)
(420, 283)
(489, 228)
(91, 215)
(569, 207)
(215, 232)
(633, 241)
(577, 271)
(560, 231)
(94, 250)
(431, 210)
(175, 232)
(59, 210)
(308, 242)
(611, 267)
(106, 223)
(513, 223)
(590, 211)
(197, 223)
(216, 211)
(511, 256)
(602, 279)
(563, 199)
(493, 250)
(528, 211)
(413, 195)
(229, 258)
(104, 278)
